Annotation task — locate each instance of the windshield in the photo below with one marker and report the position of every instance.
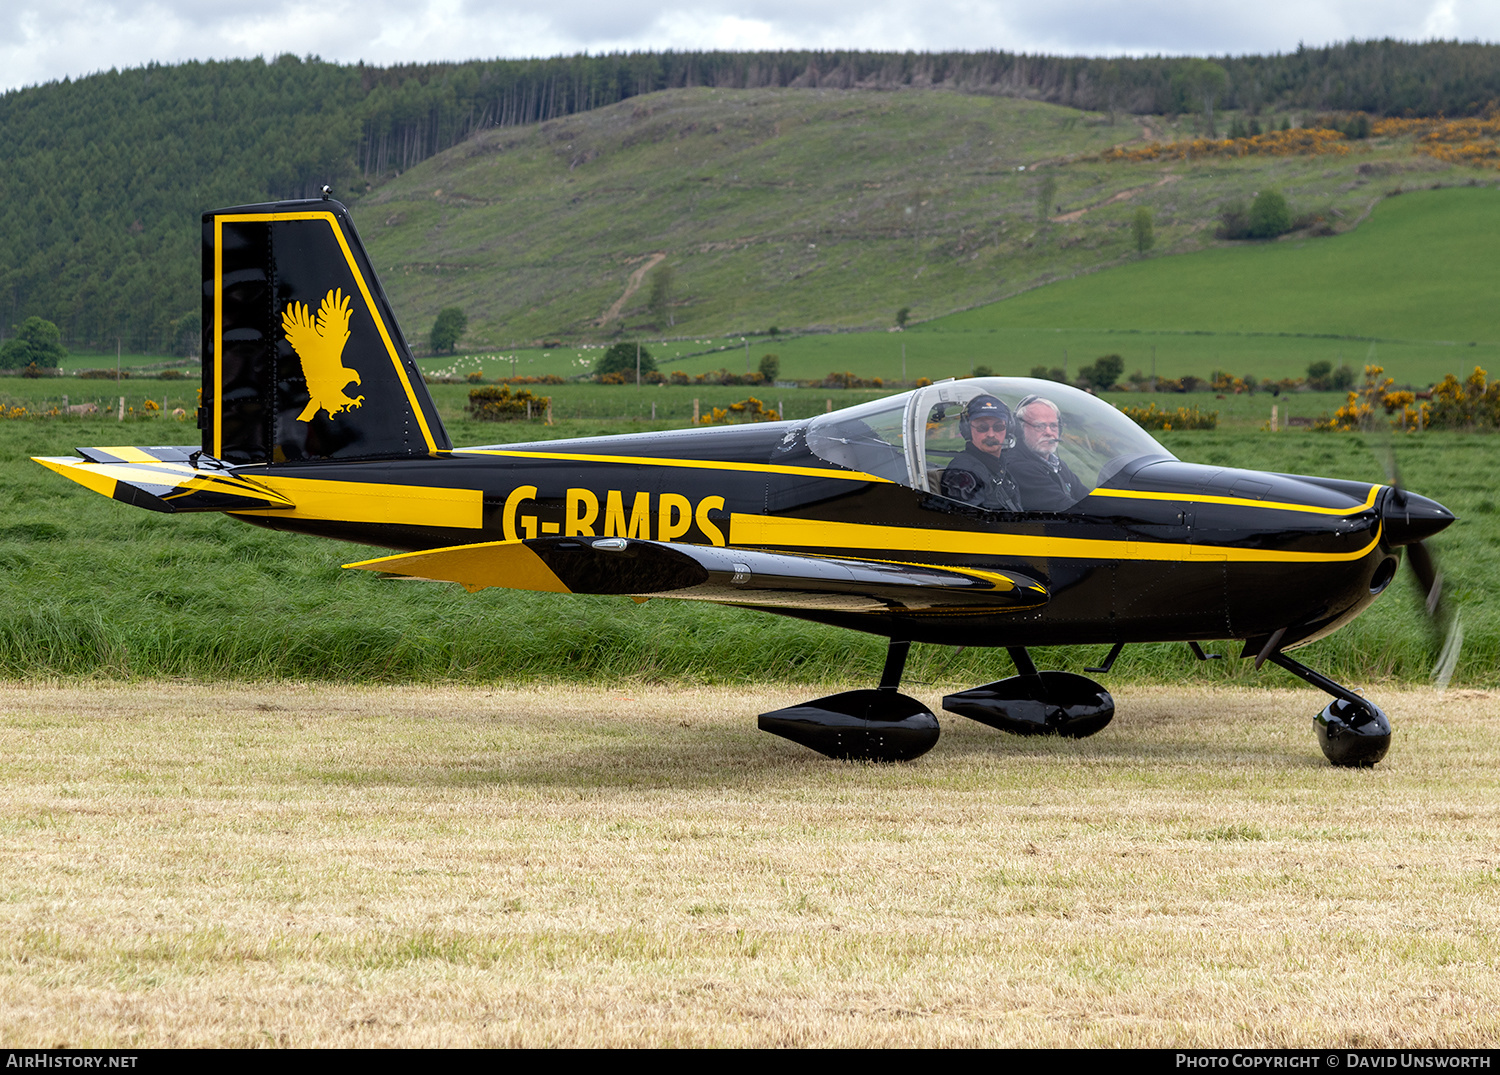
(913, 438)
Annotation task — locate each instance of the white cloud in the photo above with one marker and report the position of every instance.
(42, 40)
(1441, 21)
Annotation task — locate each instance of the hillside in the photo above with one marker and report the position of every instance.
(102, 178)
(811, 209)
(771, 206)
(1413, 289)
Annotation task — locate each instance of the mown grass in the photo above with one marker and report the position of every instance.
(93, 587)
(313, 865)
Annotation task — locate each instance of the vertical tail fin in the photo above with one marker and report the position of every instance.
(302, 356)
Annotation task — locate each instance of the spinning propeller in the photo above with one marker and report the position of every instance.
(1409, 519)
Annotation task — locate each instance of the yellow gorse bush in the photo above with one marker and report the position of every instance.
(1302, 142)
(1473, 403)
(1154, 417)
(750, 408)
(1474, 140)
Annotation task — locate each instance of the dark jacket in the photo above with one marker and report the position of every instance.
(1043, 487)
(976, 477)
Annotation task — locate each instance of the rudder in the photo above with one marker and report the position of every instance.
(302, 357)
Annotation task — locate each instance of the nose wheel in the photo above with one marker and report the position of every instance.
(1354, 732)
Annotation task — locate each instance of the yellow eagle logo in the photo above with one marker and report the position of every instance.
(320, 346)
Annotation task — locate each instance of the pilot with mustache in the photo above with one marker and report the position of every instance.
(977, 475)
(1043, 479)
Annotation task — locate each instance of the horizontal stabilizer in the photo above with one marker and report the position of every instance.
(147, 481)
(633, 568)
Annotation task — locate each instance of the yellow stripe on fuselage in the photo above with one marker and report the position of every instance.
(777, 532)
(692, 464)
(1241, 502)
(375, 502)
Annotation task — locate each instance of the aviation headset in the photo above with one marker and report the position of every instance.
(1040, 399)
(986, 407)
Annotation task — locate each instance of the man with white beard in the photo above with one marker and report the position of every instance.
(1043, 479)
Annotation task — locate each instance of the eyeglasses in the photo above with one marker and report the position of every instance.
(986, 425)
(1054, 426)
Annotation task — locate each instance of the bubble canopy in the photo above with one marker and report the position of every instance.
(911, 438)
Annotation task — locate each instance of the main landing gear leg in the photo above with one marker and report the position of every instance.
(1037, 703)
(872, 725)
(1352, 731)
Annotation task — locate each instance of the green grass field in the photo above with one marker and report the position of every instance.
(623, 408)
(93, 587)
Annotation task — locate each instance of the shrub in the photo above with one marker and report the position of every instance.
(1142, 230)
(1468, 404)
(849, 380)
(621, 359)
(1286, 142)
(37, 343)
(1103, 374)
(770, 367)
(1154, 417)
(751, 408)
(103, 375)
(546, 378)
(170, 375)
(1270, 215)
(448, 329)
(495, 403)
(1234, 221)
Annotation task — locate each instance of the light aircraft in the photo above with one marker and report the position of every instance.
(315, 419)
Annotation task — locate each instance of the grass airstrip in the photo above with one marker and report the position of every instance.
(250, 798)
(320, 865)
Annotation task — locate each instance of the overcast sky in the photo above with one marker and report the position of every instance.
(45, 40)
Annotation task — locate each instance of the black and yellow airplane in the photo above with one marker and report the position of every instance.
(315, 419)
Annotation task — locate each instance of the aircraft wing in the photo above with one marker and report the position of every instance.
(712, 573)
(163, 479)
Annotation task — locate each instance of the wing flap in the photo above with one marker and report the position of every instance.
(162, 484)
(712, 573)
